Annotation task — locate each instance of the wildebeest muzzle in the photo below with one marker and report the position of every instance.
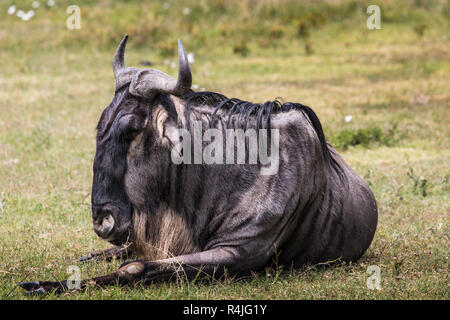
(112, 222)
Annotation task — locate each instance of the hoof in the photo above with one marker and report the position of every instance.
(30, 285)
(85, 258)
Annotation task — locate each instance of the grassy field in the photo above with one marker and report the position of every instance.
(393, 82)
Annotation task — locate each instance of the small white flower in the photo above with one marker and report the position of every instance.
(20, 13)
(186, 11)
(348, 118)
(12, 9)
(27, 16)
(195, 86)
(173, 64)
(203, 89)
(35, 4)
(190, 57)
(50, 3)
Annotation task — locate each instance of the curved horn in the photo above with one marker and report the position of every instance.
(184, 81)
(146, 83)
(118, 62)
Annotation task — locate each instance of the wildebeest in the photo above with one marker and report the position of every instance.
(211, 217)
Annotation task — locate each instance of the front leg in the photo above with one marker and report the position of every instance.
(116, 252)
(211, 263)
(130, 273)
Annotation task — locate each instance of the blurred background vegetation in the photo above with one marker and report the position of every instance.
(223, 26)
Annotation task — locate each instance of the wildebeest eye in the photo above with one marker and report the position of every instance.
(131, 123)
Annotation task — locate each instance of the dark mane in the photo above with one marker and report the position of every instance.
(245, 109)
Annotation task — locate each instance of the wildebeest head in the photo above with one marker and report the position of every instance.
(130, 116)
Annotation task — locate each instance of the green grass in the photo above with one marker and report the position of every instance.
(394, 82)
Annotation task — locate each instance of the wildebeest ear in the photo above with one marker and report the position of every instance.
(166, 127)
(179, 106)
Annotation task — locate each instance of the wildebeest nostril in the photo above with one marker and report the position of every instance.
(98, 212)
(103, 225)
